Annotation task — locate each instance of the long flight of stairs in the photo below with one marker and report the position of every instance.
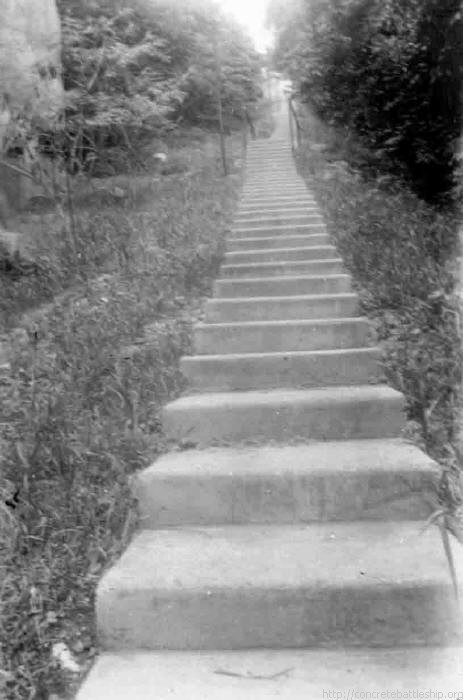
(280, 553)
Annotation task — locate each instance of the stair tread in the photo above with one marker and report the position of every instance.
(382, 480)
(283, 278)
(258, 252)
(331, 456)
(282, 323)
(319, 555)
(277, 227)
(285, 263)
(287, 298)
(316, 396)
(331, 352)
(261, 239)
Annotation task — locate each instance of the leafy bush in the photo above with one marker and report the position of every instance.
(391, 70)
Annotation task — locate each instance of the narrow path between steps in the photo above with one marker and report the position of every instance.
(281, 554)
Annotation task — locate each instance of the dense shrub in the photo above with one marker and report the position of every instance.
(391, 70)
(398, 249)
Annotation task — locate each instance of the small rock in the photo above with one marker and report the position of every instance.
(65, 659)
(161, 157)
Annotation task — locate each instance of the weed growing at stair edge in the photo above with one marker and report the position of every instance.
(401, 253)
(80, 412)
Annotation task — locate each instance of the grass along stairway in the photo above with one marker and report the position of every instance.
(280, 550)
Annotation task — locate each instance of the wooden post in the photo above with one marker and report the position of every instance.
(245, 131)
(291, 125)
(223, 150)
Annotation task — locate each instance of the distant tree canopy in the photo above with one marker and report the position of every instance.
(391, 70)
(133, 70)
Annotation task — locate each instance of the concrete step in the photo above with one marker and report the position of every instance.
(281, 336)
(282, 186)
(281, 308)
(284, 415)
(269, 155)
(283, 178)
(281, 586)
(278, 220)
(259, 203)
(291, 208)
(274, 190)
(282, 241)
(281, 254)
(274, 203)
(278, 210)
(264, 155)
(251, 230)
(273, 166)
(254, 228)
(274, 161)
(330, 481)
(272, 176)
(273, 674)
(267, 370)
(280, 286)
(294, 267)
(281, 198)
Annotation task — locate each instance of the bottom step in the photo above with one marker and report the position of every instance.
(286, 675)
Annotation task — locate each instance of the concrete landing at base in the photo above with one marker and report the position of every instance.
(268, 675)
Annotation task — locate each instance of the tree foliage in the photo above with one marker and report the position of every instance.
(390, 70)
(133, 70)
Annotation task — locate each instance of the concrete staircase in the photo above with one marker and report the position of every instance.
(280, 551)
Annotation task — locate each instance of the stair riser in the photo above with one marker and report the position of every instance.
(286, 498)
(264, 371)
(284, 421)
(281, 255)
(276, 308)
(365, 615)
(288, 241)
(225, 339)
(280, 286)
